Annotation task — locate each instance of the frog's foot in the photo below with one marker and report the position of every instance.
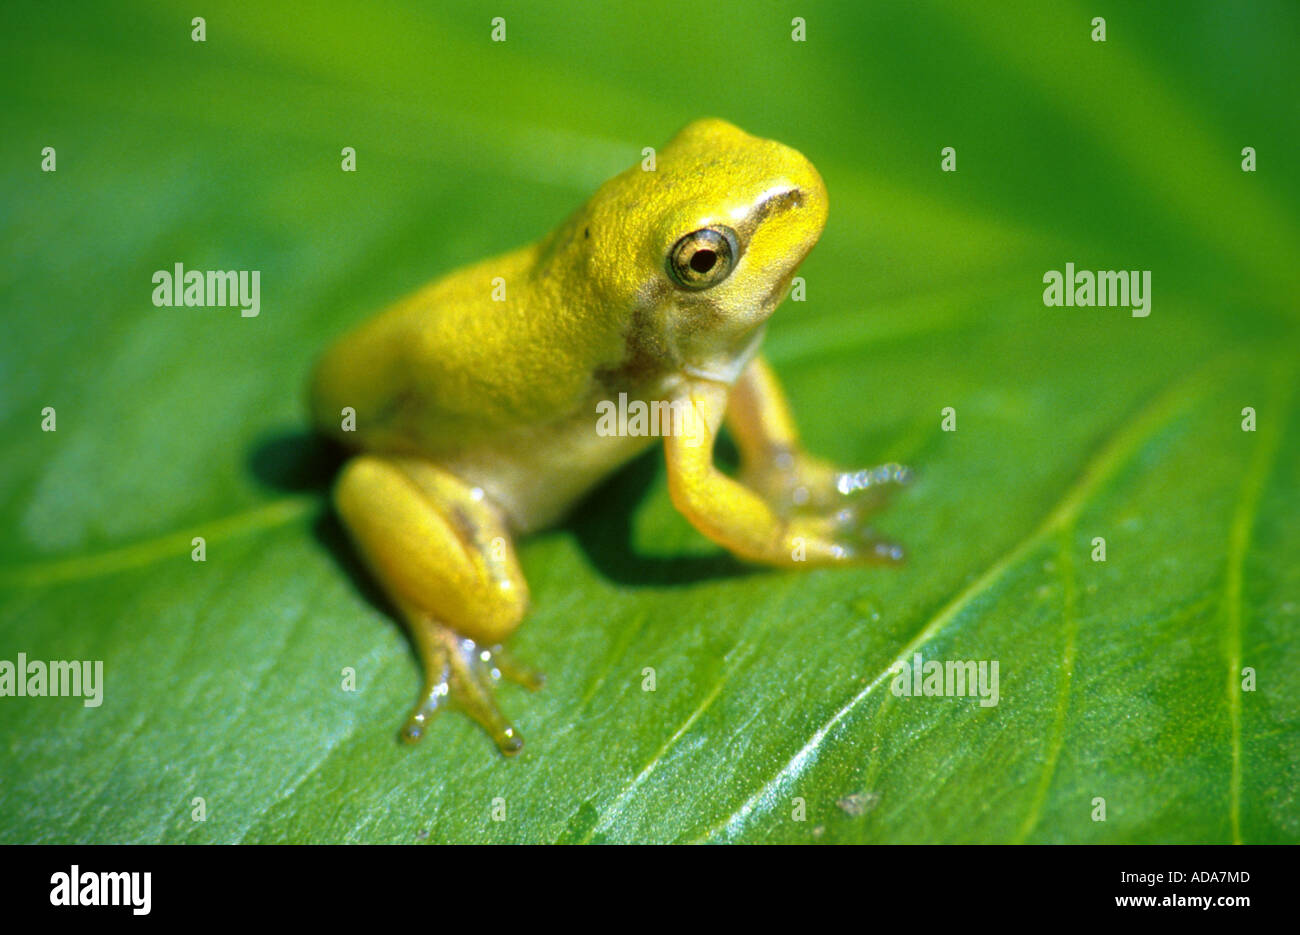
(834, 505)
(462, 674)
(794, 482)
(841, 537)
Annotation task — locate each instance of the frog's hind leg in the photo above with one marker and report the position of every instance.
(443, 555)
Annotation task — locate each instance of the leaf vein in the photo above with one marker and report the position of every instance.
(1121, 446)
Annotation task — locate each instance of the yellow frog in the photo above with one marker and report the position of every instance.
(473, 405)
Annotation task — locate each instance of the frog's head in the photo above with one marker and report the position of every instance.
(701, 248)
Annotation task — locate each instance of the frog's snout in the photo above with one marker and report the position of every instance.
(802, 193)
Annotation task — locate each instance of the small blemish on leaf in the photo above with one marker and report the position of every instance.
(859, 803)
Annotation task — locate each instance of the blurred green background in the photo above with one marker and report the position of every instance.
(1119, 680)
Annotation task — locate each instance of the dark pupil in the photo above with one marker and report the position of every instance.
(703, 260)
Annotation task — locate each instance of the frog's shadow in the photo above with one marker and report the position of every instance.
(602, 526)
(299, 461)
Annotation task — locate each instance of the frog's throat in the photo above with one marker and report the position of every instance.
(727, 369)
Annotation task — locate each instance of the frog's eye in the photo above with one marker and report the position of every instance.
(703, 258)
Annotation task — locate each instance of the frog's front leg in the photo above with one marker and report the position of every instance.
(444, 556)
(774, 463)
(762, 517)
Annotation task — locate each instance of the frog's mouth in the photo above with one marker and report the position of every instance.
(778, 292)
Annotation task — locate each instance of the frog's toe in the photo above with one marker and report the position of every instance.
(463, 674)
(839, 538)
(515, 671)
(855, 495)
(858, 543)
(805, 484)
(878, 550)
(881, 477)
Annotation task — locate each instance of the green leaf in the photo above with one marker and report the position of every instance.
(1119, 680)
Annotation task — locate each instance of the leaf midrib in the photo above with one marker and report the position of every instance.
(1117, 451)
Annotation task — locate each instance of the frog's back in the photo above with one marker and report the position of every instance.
(456, 362)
